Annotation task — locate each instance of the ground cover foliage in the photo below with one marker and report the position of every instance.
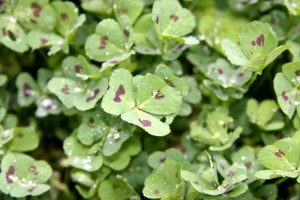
(150, 99)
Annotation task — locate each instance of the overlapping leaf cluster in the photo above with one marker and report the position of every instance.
(157, 99)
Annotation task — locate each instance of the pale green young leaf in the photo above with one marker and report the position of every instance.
(158, 157)
(171, 20)
(16, 167)
(28, 90)
(24, 139)
(116, 188)
(119, 98)
(148, 122)
(163, 181)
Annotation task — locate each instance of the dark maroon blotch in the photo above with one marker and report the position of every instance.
(220, 71)
(230, 174)
(157, 19)
(65, 89)
(163, 159)
(297, 72)
(174, 18)
(248, 164)
(95, 94)
(44, 41)
(260, 41)
(33, 169)
(180, 47)
(33, 21)
(126, 33)
(78, 68)
(113, 62)
(156, 191)
(158, 94)
(240, 75)
(103, 42)
(284, 96)
(273, 21)
(4, 31)
(196, 182)
(253, 43)
(279, 154)
(145, 123)
(10, 171)
(31, 189)
(119, 92)
(64, 16)
(26, 90)
(36, 9)
(20, 135)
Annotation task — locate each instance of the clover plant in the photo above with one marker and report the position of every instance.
(150, 99)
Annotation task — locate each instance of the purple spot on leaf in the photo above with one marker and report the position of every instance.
(297, 72)
(31, 189)
(113, 62)
(44, 41)
(65, 89)
(163, 159)
(220, 71)
(273, 21)
(36, 9)
(64, 16)
(284, 96)
(174, 18)
(253, 43)
(33, 21)
(20, 135)
(26, 90)
(157, 19)
(158, 94)
(103, 42)
(4, 31)
(126, 32)
(196, 182)
(95, 94)
(248, 164)
(240, 75)
(156, 191)
(230, 174)
(9, 173)
(78, 68)
(119, 92)
(145, 123)
(259, 41)
(279, 154)
(33, 169)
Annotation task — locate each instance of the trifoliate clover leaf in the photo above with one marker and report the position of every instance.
(121, 159)
(286, 86)
(24, 139)
(163, 181)
(80, 156)
(21, 175)
(110, 41)
(216, 132)
(263, 113)
(12, 35)
(281, 159)
(140, 101)
(78, 94)
(116, 188)
(131, 8)
(171, 20)
(28, 90)
(35, 15)
(231, 186)
(257, 47)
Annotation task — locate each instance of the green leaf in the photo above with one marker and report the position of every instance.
(35, 14)
(28, 90)
(292, 6)
(119, 98)
(83, 157)
(12, 36)
(171, 20)
(81, 95)
(149, 123)
(163, 181)
(116, 188)
(111, 40)
(153, 94)
(21, 175)
(131, 8)
(268, 190)
(286, 95)
(25, 139)
(121, 159)
(157, 158)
